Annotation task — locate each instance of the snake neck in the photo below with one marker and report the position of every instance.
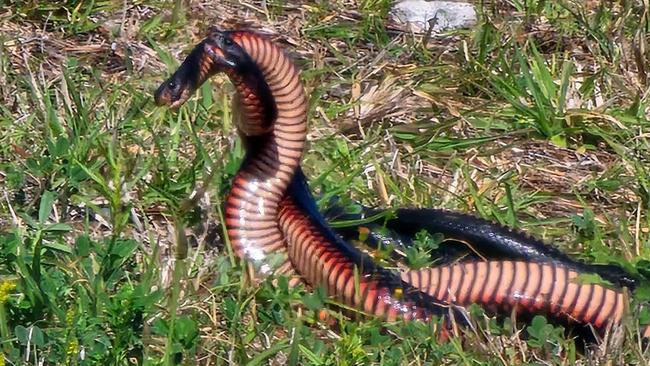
(274, 149)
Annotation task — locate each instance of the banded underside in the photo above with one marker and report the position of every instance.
(361, 285)
(274, 153)
(538, 288)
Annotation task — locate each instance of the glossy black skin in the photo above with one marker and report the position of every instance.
(177, 88)
(493, 241)
(488, 240)
(299, 191)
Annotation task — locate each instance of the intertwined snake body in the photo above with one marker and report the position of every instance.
(269, 210)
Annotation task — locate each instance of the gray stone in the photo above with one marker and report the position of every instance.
(442, 15)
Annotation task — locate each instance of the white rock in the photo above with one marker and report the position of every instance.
(443, 15)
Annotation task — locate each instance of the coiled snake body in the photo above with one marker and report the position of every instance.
(269, 209)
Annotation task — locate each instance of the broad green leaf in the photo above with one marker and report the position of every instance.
(45, 208)
(58, 247)
(58, 227)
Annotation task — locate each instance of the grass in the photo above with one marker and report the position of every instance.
(536, 118)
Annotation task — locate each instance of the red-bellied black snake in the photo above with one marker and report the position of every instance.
(263, 219)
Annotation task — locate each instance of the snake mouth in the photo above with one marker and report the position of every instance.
(217, 56)
(176, 90)
(172, 93)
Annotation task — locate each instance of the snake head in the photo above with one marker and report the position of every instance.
(195, 69)
(226, 54)
(216, 53)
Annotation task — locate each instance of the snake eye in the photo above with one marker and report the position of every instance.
(228, 42)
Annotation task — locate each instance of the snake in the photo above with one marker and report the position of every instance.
(269, 211)
(465, 235)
